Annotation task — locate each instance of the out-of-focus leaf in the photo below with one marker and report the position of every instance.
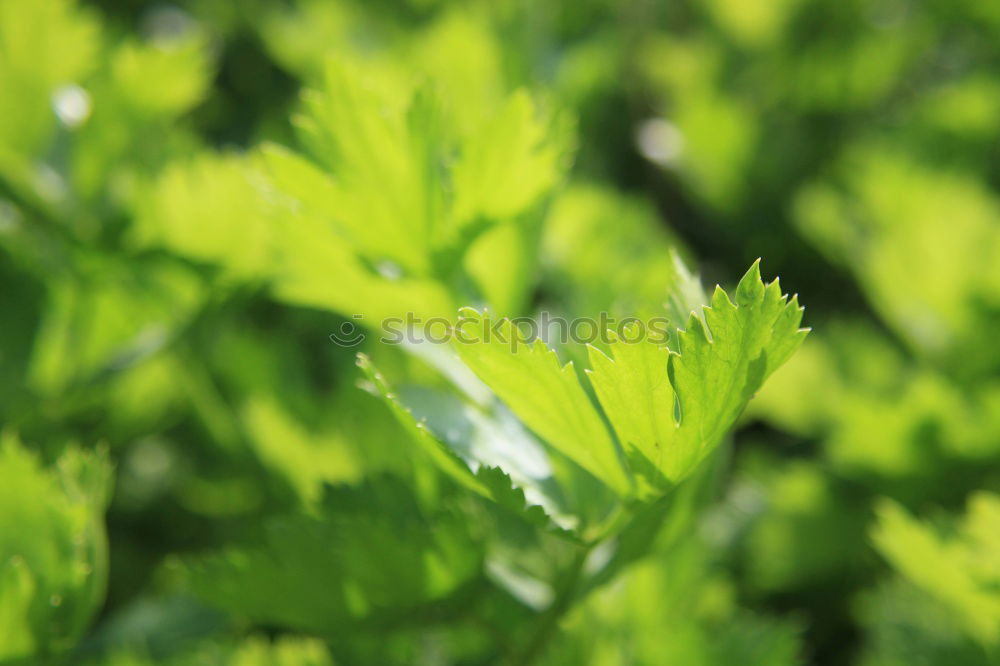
(43, 45)
(253, 651)
(507, 166)
(305, 459)
(197, 208)
(53, 548)
(906, 626)
(318, 267)
(881, 217)
(383, 188)
(633, 241)
(162, 78)
(107, 318)
(961, 571)
(671, 608)
(371, 558)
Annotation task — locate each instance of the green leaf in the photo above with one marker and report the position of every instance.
(906, 626)
(446, 459)
(961, 571)
(198, 206)
(880, 217)
(285, 651)
(53, 549)
(306, 459)
(405, 183)
(107, 319)
(252, 651)
(635, 392)
(373, 558)
(545, 394)
(507, 165)
(479, 444)
(511, 497)
(382, 186)
(43, 46)
(686, 293)
(316, 266)
(633, 239)
(668, 410)
(163, 78)
(723, 359)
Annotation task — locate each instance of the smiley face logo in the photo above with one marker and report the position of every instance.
(348, 334)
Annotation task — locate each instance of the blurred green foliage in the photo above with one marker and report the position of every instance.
(197, 199)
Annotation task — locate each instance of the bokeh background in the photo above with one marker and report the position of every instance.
(159, 329)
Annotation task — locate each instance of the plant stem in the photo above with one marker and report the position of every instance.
(549, 621)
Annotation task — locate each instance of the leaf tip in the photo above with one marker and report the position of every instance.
(750, 288)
